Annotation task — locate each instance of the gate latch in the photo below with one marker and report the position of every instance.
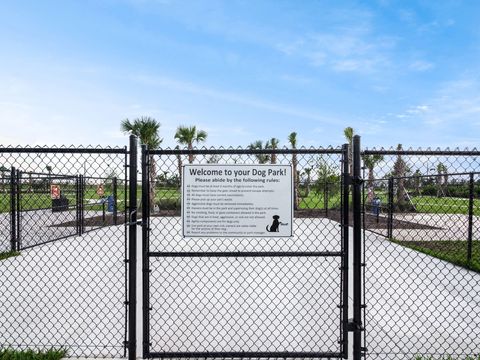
(352, 326)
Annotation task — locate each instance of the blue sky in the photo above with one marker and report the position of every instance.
(396, 71)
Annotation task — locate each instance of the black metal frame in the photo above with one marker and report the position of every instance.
(344, 324)
(130, 270)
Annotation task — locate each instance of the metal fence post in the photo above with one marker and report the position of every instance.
(145, 249)
(115, 214)
(345, 232)
(357, 250)
(13, 208)
(470, 219)
(18, 213)
(132, 250)
(390, 209)
(81, 202)
(77, 204)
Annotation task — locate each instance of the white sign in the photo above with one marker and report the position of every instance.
(237, 200)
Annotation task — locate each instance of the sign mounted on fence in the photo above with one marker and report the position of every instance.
(237, 201)
(100, 190)
(55, 192)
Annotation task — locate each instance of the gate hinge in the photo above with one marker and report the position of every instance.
(357, 180)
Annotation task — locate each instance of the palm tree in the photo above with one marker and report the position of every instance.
(308, 172)
(179, 164)
(49, 170)
(187, 136)
(348, 132)
(272, 144)
(3, 170)
(292, 139)
(442, 179)
(146, 129)
(399, 170)
(258, 145)
(417, 181)
(370, 161)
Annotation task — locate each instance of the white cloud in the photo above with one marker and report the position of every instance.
(189, 87)
(421, 65)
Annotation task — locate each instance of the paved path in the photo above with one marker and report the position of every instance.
(71, 293)
(418, 304)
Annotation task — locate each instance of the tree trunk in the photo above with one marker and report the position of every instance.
(190, 155)
(179, 164)
(308, 185)
(153, 178)
(295, 181)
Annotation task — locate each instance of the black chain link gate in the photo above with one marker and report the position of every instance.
(248, 297)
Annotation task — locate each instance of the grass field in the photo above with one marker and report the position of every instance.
(52, 354)
(317, 201)
(169, 198)
(454, 251)
(6, 255)
(447, 357)
(444, 205)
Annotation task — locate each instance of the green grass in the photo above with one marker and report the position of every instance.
(317, 201)
(454, 251)
(6, 255)
(447, 357)
(444, 205)
(52, 354)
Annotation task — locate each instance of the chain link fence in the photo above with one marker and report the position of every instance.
(247, 296)
(62, 265)
(422, 254)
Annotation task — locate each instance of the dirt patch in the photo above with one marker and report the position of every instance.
(371, 221)
(94, 221)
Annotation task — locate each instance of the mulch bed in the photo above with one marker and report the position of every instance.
(371, 221)
(94, 221)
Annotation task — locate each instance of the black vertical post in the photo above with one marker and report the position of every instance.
(470, 219)
(18, 190)
(390, 209)
(345, 233)
(103, 211)
(325, 197)
(125, 251)
(77, 204)
(132, 250)
(357, 251)
(115, 214)
(145, 249)
(13, 209)
(81, 203)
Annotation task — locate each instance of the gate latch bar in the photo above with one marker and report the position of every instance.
(352, 326)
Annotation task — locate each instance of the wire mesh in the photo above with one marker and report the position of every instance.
(422, 283)
(273, 297)
(61, 288)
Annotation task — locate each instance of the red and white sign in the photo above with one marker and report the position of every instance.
(100, 190)
(55, 192)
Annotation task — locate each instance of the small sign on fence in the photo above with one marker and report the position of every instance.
(100, 190)
(237, 200)
(55, 192)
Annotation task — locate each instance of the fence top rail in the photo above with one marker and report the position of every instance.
(46, 175)
(428, 176)
(421, 152)
(64, 150)
(244, 151)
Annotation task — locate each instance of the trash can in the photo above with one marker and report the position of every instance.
(110, 203)
(60, 204)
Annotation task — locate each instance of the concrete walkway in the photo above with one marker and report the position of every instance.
(71, 292)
